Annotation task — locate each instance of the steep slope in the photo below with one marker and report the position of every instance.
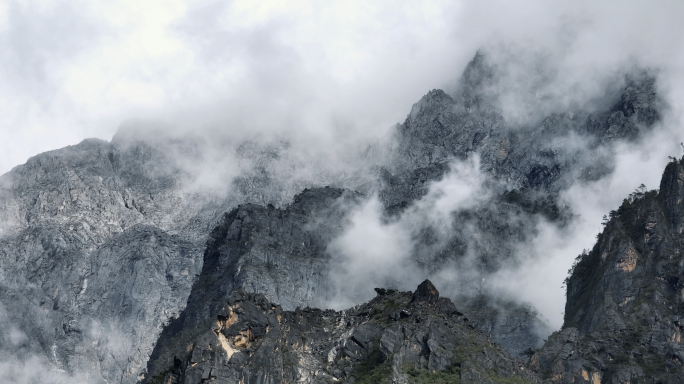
(623, 316)
(78, 225)
(547, 153)
(397, 337)
(278, 252)
(525, 168)
(282, 253)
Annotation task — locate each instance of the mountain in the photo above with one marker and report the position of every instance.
(110, 250)
(623, 316)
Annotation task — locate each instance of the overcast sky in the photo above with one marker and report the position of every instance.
(76, 69)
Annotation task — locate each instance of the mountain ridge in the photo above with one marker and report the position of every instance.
(103, 242)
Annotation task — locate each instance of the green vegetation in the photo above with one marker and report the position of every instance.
(632, 339)
(382, 311)
(450, 375)
(374, 370)
(627, 223)
(653, 364)
(632, 213)
(509, 380)
(392, 304)
(159, 379)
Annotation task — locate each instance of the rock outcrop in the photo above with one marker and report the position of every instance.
(525, 169)
(100, 245)
(91, 261)
(398, 337)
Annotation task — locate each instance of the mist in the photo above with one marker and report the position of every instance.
(336, 75)
(234, 90)
(374, 252)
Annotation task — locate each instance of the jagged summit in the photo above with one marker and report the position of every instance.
(426, 292)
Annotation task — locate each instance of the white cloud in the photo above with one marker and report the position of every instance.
(542, 265)
(373, 252)
(339, 70)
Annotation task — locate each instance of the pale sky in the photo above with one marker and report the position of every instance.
(74, 69)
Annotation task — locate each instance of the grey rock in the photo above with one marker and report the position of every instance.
(358, 345)
(101, 243)
(426, 292)
(622, 317)
(526, 168)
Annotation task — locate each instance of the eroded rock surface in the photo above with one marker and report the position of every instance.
(525, 167)
(398, 337)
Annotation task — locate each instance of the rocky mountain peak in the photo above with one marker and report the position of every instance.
(434, 102)
(426, 292)
(672, 193)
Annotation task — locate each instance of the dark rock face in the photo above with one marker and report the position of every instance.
(392, 338)
(526, 167)
(277, 252)
(517, 328)
(426, 292)
(623, 314)
(539, 156)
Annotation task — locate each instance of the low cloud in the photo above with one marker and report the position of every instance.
(376, 251)
(379, 252)
(20, 363)
(35, 370)
(542, 265)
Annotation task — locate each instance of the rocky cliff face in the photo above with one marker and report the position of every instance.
(280, 252)
(625, 298)
(106, 246)
(548, 153)
(397, 337)
(90, 265)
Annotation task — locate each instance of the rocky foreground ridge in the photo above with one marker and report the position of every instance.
(104, 246)
(398, 337)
